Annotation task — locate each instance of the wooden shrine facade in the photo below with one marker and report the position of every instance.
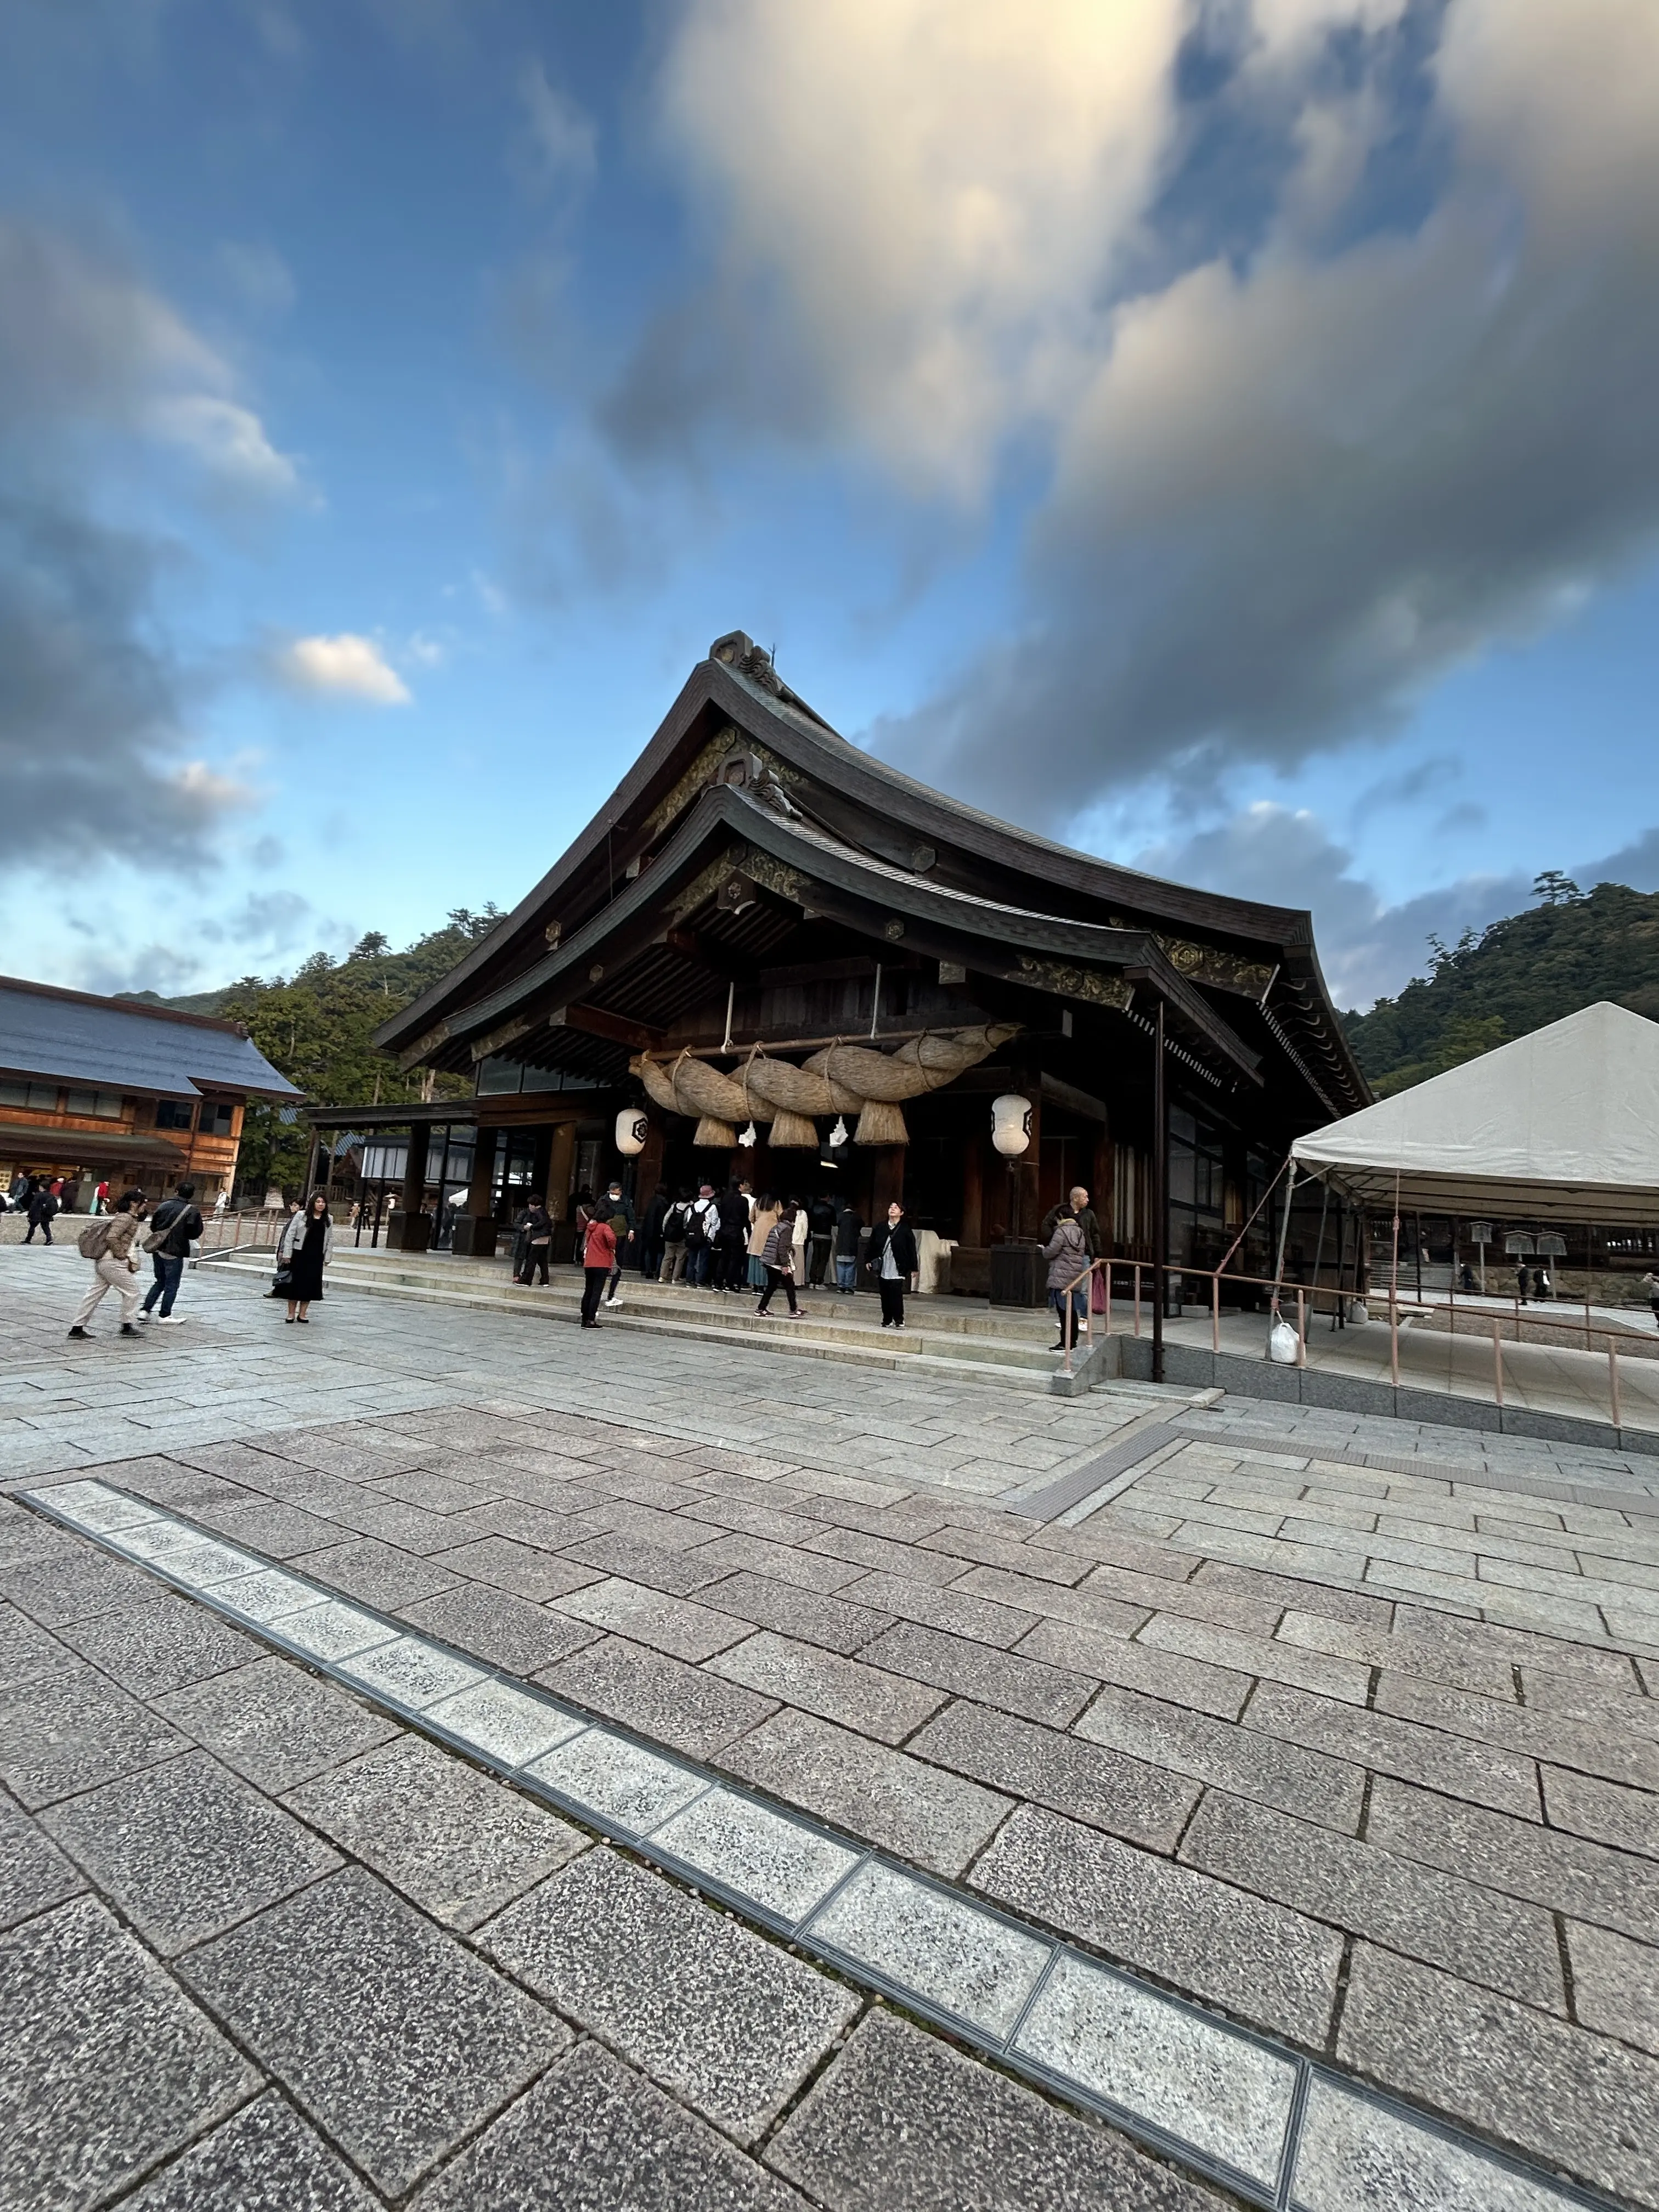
(766, 934)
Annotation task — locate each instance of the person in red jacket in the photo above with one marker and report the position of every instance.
(598, 1258)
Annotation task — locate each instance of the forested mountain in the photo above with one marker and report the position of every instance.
(1572, 949)
(314, 1025)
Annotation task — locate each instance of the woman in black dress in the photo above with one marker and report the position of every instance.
(307, 1244)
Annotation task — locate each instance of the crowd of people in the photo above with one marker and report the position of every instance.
(726, 1243)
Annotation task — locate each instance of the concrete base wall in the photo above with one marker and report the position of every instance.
(1351, 1393)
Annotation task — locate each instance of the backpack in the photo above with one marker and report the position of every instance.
(93, 1242)
(674, 1221)
(696, 1225)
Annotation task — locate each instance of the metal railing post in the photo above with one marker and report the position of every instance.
(1498, 1361)
(1137, 1297)
(1301, 1327)
(1215, 1312)
(1612, 1380)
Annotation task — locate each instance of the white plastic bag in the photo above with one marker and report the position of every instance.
(1282, 1343)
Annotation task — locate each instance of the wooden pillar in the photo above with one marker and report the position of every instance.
(411, 1230)
(648, 1168)
(1100, 1187)
(561, 1164)
(973, 1189)
(888, 1161)
(1028, 1168)
(542, 1162)
(474, 1236)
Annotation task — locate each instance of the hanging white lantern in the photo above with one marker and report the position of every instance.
(749, 1136)
(838, 1135)
(1011, 1124)
(631, 1128)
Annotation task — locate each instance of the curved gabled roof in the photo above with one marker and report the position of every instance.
(863, 802)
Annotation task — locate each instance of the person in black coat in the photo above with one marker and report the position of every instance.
(893, 1261)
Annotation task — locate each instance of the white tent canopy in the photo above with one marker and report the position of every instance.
(1561, 1126)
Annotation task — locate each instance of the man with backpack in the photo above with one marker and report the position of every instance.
(172, 1225)
(108, 1241)
(675, 1223)
(701, 1227)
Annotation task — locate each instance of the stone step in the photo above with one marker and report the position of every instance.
(919, 1352)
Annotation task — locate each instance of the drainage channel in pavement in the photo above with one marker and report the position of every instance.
(1233, 2106)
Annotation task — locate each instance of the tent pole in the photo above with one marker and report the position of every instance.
(1319, 1249)
(1160, 1196)
(1588, 1233)
(1393, 1291)
(1284, 1231)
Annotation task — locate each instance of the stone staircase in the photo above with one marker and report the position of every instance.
(958, 1339)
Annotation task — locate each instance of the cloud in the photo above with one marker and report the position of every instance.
(97, 755)
(559, 150)
(1326, 329)
(1286, 857)
(346, 667)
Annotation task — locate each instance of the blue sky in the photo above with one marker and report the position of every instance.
(1219, 432)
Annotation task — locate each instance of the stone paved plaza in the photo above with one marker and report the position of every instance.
(1342, 1731)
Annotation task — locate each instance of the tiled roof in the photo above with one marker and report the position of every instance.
(46, 1032)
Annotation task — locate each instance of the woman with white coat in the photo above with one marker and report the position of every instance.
(304, 1249)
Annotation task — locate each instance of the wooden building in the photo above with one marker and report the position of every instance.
(95, 1090)
(766, 934)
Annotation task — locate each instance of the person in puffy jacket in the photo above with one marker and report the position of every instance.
(598, 1258)
(778, 1258)
(1067, 1254)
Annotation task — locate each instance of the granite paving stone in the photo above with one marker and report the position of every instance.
(1034, 1562)
(91, 2026)
(867, 1699)
(33, 1873)
(780, 1865)
(504, 1722)
(1350, 1606)
(516, 1565)
(1162, 1733)
(1462, 1768)
(835, 1624)
(1561, 2094)
(1082, 1779)
(741, 1554)
(274, 1723)
(901, 2119)
(678, 1570)
(1628, 1819)
(76, 1586)
(394, 2037)
(1460, 1668)
(457, 1843)
(1615, 1985)
(686, 1707)
(375, 1572)
(592, 2136)
(1164, 2063)
(509, 1632)
(186, 1851)
(277, 1530)
(708, 2009)
(1616, 1754)
(878, 1555)
(409, 1669)
(1268, 1966)
(933, 1819)
(617, 1782)
(1368, 1890)
(1215, 1609)
(1112, 1658)
(1263, 1656)
(951, 1611)
(670, 1624)
(970, 1964)
(148, 1649)
(1087, 1608)
(263, 2159)
(1021, 1685)
(69, 1730)
(1355, 2155)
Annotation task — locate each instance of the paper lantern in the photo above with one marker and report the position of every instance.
(1011, 1124)
(631, 1126)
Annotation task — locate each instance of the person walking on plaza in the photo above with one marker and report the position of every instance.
(108, 1243)
(778, 1259)
(538, 1240)
(730, 1254)
(100, 1199)
(1650, 1285)
(599, 1261)
(893, 1260)
(306, 1248)
(619, 1212)
(765, 1221)
(675, 1223)
(18, 1195)
(171, 1226)
(43, 1211)
(1069, 1258)
(849, 1229)
(821, 1228)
